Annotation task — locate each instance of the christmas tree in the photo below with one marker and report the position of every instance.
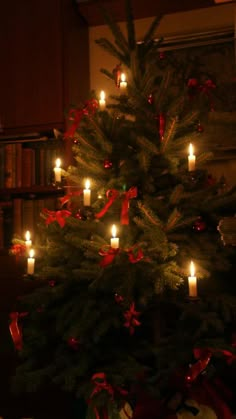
(117, 307)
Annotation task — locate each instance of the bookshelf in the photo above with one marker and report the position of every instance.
(27, 182)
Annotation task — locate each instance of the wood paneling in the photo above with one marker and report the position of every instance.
(39, 43)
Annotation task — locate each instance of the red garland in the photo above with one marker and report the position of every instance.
(15, 329)
(112, 195)
(76, 115)
(131, 317)
(58, 216)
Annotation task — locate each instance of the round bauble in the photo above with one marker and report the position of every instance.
(107, 164)
(199, 225)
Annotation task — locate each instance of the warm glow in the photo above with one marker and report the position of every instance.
(113, 231)
(27, 235)
(122, 77)
(102, 95)
(58, 163)
(87, 184)
(192, 269)
(31, 253)
(190, 149)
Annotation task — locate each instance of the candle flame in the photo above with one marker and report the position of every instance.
(113, 231)
(58, 163)
(123, 77)
(102, 95)
(27, 235)
(192, 269)
(87, 184)
(190, 149)
(31, 253)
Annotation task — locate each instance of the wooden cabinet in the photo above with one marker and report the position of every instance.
(44, 64)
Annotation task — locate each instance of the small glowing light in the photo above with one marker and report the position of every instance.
(58, 163)
(87, 184)
(102, 95)
(113, 231)
(31, 253)
(192, 269)
(27, 235)
(123, 77)
(190, 149)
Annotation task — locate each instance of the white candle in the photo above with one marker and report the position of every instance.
(123, 84)
(87, 194)
(114, 239)
(191, 159)
(192, 281)
(57, 171)
(28, 241)
(102, 101)
(30, 262)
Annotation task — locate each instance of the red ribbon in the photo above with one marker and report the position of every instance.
(108, 254)
(131, 193)
(161, 125)
(204, 356)
(100, 382)
(76, 115)
(112, 195)
(58, 216)
(15, 329)
(135, 254)
(205, 88)
(67, 197)
(131, 317)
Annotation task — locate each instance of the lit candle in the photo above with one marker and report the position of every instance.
(123, 84)
(102, 101)
(30, 262)
(28, 241)
(57, 171)
(192, 281)
(191, 159)
(114, 239)
(87, 194)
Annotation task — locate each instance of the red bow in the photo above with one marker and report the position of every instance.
(15, 329)
(76, 115)
(100, 382)
(135, 254)
(205, 87)
(131, 317)
(18, 249)
(67, 197)
(112, 195)
(58, 216)
(108, 254)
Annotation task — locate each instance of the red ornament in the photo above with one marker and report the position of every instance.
(150, 99)
(80, 216)
(75, 141)
(161, 55)
(118, 298)
(199, 225)
(117, 74)
(52, 283)
(73, 343)
(200, 127)
(107, 164)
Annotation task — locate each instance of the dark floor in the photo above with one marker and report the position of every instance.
(49, 404)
